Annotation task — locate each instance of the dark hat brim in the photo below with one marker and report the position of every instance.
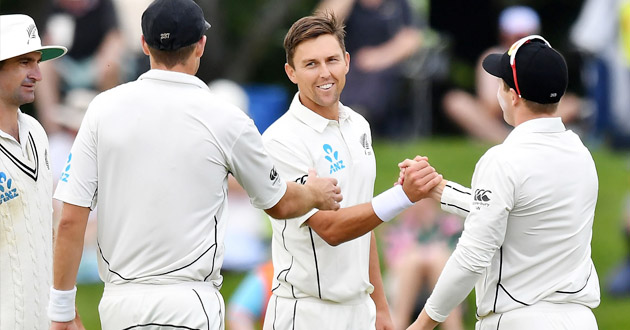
(492, 65)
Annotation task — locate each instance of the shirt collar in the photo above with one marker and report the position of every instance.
(313, 119)
(175, 77)
(538, 125)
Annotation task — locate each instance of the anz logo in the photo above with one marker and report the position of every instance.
(7, 190)
(336, 164)
(65, 175)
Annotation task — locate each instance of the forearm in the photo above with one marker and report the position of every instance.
(341, 8)
(69, 247)
(380, 300)
(297, 200)
(401, 46)
(453, 197)
(346, 224)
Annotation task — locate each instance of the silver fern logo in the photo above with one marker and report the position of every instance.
(365, 143)
(32, 32)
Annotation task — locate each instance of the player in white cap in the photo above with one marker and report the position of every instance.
(326, 268)
(526, 241)
(25, 179)
(156, 153)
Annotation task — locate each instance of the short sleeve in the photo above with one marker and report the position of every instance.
(254, 171)
(293, 163)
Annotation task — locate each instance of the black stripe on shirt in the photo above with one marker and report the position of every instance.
(319, 290)
(33, 173)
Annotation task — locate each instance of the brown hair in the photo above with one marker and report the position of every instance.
(311, 27)
(535, 107)
(171, 58)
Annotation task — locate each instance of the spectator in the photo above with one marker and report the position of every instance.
(619, 281)
(249, 302)
(480, 114)
(381, 34)
(89, 29)
(602, 31)
(418, 246)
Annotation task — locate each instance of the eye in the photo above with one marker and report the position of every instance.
(310, 64)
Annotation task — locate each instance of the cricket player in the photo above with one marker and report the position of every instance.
(527, 237)
(26, 227)
(156, 153)
(326, 268)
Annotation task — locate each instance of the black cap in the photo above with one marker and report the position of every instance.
(541, 71)
(173, 24)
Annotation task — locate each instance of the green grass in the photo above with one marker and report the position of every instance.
(455, 158)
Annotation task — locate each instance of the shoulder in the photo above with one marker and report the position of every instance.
(35, 128)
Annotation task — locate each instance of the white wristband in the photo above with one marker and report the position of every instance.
(61, 305)
(389, 203)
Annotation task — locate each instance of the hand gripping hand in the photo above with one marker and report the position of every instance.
(418, 178)
(327, 194)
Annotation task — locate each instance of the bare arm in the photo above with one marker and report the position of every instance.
(341, 8)
(400, 47)
(67, 252)
(320, 193)
(383, 317)
(355, 221)
(423, 322)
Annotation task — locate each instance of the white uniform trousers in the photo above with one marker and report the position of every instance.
(189, 305)
(541, 316)
(316, 314)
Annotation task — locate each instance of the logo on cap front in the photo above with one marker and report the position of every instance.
(32, 32)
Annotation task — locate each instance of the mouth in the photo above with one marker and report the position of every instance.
(325, 86)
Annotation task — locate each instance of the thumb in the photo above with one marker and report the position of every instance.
(312, 173)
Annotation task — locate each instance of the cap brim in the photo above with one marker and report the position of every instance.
(52, 52)
(492, 65)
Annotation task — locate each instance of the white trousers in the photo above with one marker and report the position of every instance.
(315, 314)
(541, 316)
(195, 305)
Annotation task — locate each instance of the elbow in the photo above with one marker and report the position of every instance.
(331, 237)
(278, 211)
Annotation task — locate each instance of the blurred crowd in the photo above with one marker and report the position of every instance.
(405, 78)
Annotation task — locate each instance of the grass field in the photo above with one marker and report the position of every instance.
(455, 159)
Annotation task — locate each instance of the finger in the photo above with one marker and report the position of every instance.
(312, 173)
(333, 181)
(419, 158)
(436, 181)
(406, 163)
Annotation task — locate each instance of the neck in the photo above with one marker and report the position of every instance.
(9, 121)
(329, 112)
(525, 115)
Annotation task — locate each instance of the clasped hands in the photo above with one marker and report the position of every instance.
(418, 178)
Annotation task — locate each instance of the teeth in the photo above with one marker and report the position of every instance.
(326, 86)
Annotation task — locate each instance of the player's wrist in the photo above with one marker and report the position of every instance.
(390, 203)
(61, 305)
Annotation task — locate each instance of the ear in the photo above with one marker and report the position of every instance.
(201, 46)
(145, 47)
(347, 62)
(290, 71)
(514, 98)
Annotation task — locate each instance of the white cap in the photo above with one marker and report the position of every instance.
(231, 92)
(72, 110)
(19, 36)
(519, 20)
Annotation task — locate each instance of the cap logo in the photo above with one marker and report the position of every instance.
(32, 32)
(164, 36)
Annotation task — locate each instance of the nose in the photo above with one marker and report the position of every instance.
(35, 73)
(324, 72)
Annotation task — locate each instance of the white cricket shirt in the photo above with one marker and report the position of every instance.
(25, 227)
(304, 264)
(528, 235)
(158, 151)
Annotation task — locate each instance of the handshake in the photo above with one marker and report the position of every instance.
(417, 177)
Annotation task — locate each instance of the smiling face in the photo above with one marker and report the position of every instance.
(18, 76)
(319, 69)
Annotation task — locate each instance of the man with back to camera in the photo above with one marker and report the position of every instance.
(158, 151)
(320, 283)
(526, 241)
(26, 224)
